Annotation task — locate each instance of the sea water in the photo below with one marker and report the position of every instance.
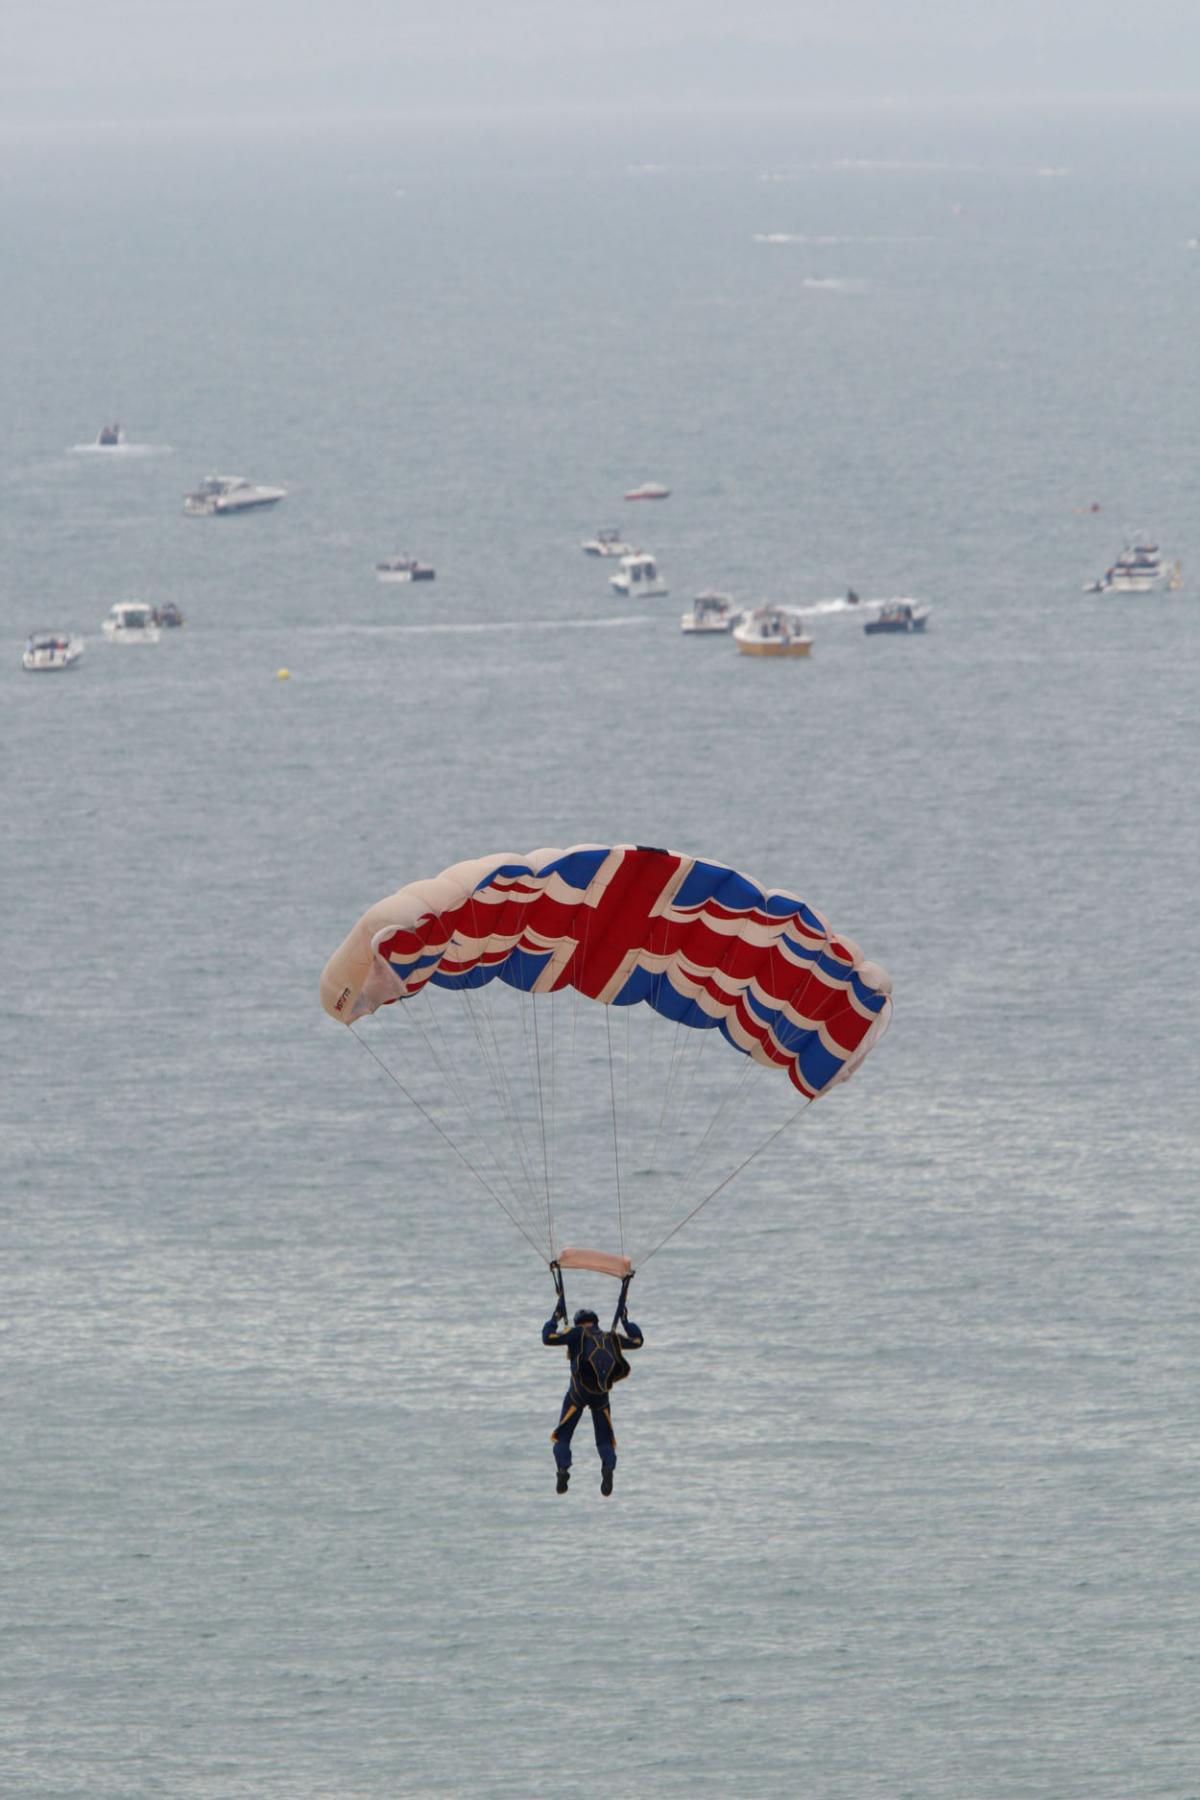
(906, 1495)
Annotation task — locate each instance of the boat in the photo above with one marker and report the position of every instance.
(229, 494)
(711, 612)
(168, 615)
(769, 631)
(897, 616)
(47, 650)
(1137, 570)
(638, 574)
(607, 543)
(110, 437)
(649, 490)
(131, 622)
(404, 568)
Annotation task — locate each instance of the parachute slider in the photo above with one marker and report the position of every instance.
(601, 1262)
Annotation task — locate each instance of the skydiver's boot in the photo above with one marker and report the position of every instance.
(606, 1481)
(564, 1476)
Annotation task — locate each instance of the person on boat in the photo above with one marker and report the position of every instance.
(596, 1363)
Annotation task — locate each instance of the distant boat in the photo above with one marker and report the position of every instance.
(638, 575)
(897, 616)
(220, 494)
(649, 490)
(110, 436)
(404, 568)
(50, 650)
(710, 613)
(1138, 570)
(769, 631)
(131, 622)
(607, 543)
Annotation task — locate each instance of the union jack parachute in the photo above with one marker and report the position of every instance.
(574, 1014)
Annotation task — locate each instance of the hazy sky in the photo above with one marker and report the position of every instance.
(131, 59)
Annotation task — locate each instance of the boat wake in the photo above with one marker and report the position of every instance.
(835, 284)
(475, 628)
(114, 451)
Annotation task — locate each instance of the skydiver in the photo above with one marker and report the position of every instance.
(594, 1368)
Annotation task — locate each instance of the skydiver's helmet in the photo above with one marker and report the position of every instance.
(585, 1316)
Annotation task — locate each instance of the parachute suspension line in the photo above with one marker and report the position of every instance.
(482, 1013)
(425, 1021)
(495, 1063)
(733, 1173)
(480, 1178)
(616, 1142)
(489, 1057)
(537, 1062)
(734, 1094)
(413, 1012)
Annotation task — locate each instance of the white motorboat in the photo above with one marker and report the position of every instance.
(219, 494)
(711, 612)
(607, 543)
(47, 650)
(1139, 569)
(131, 622)
(769, 631)
(638, 577)
(404, 568)
(649, 490)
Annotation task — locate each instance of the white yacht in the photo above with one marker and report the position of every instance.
(51, 650)
(711, 612)
(649, 490)
(769, 631)
(131, 622)
(229, 494)
(607, 543)
(1137, 570)
(638, 577)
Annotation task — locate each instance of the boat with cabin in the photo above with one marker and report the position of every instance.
(896, 616)
(770, 631)
(607, 542)
(1139, 569)
(404, 568)
(47, 651)
(221, 494)
(131, 622)
(638, 577)
(710, 613)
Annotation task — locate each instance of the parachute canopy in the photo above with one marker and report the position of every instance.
(697, 942)
(657, 1119)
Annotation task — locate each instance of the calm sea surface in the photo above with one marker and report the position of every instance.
(906, 1504)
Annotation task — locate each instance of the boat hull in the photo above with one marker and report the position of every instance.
(764, 647)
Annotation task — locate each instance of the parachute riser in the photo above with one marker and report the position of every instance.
(618, 1315)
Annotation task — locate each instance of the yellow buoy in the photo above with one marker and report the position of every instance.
(282, 674)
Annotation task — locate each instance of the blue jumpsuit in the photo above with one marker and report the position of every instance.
(577, 1397)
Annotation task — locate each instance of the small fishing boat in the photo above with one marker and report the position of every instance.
(897, 616)
(649, 490)
(404, 568)
(769, 631)
(710, 613)
(131, 622)
(50, 650)
(638, 576)
(607, 543)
